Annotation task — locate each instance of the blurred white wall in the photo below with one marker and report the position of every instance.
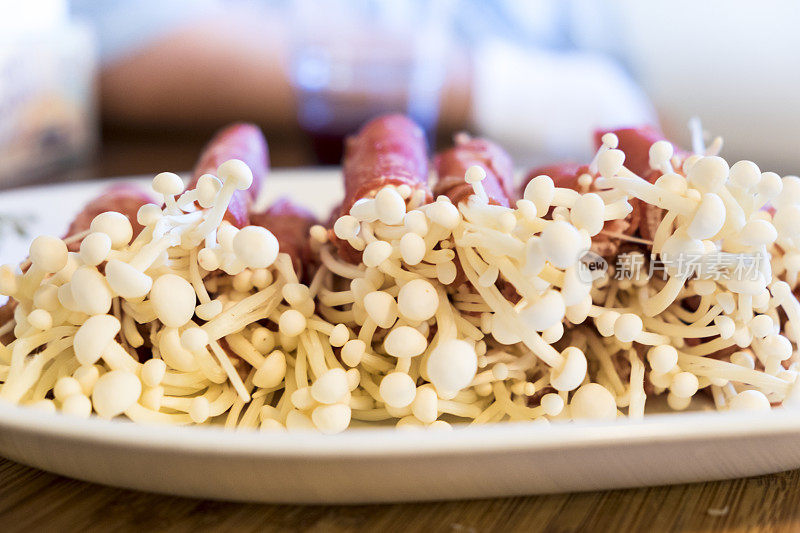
(733, 63)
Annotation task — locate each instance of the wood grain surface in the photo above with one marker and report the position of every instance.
(32, 500)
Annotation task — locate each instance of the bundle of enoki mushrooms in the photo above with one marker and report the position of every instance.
(419, 307)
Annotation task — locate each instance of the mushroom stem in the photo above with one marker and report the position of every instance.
(501, 306)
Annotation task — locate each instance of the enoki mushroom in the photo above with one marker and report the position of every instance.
(471, 313)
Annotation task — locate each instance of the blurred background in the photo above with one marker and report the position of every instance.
(92, 88)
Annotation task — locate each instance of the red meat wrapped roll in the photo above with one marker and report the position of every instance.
(388, 150)
(452, 164)
(565, 175)
(290, 223)
(238, 141)
(125, 198)
(635, 143)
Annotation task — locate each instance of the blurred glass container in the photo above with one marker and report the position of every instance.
(47, 67)
(352, 60)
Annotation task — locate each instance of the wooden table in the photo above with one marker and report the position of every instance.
(34, 500)
(31, 500)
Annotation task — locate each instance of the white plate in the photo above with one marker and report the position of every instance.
(374, 465)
